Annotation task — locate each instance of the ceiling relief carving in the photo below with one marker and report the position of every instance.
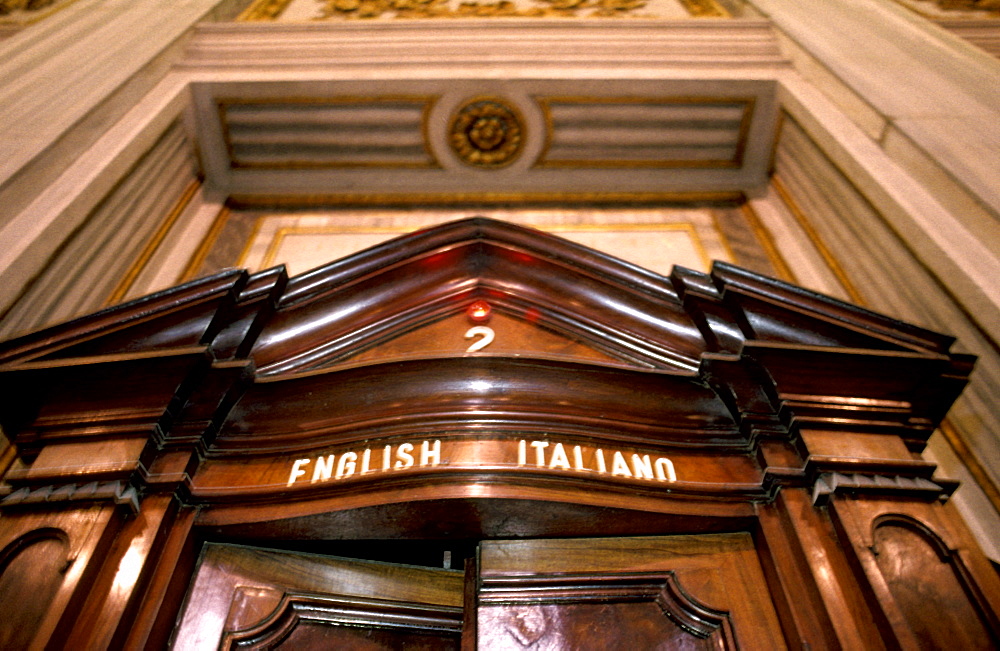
(18, 14)
(537, 137)
(705, 9)
(500, 8)
(297, 10)
(326, 132)
(11, 6)
(954, 8)
(486, 132)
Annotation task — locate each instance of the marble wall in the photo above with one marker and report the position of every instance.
(885, 189)
(653, 238)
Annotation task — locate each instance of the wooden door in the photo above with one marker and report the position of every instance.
(249, 598)
(678, 592)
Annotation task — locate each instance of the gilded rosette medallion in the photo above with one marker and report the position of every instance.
(486, 132)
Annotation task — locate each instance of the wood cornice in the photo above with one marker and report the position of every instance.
(203, 387)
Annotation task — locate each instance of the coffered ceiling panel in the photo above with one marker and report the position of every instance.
(286, 139)
(646, 131)
(325, 132)
(531, 112)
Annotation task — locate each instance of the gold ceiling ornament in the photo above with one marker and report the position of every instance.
(368, 9)
(705, 9)
(10, 6)
(486, 132)
(263, 10)
(992, 6)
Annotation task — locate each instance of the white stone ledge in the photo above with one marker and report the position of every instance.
(33, 235)
(963, 261)
(921, 80)
(65, 80)
(413, 44)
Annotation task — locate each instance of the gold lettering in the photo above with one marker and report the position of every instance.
(540, 452)
(347, 465)
(559, 458)
(323, 469)
(665, 470)
(403, 457)
(297, 470)
(641, 467)
(429, 457)
(431, 454)
(618, 467)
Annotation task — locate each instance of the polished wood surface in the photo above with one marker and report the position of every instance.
(37, 563)
(244, 597)
(917, 576)
(698, 592)
(343, 405)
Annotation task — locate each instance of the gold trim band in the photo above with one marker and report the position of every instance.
(205, 247)
(813, 235)
(153, 244)
(451, 199)
(970, 461)
(771, 250)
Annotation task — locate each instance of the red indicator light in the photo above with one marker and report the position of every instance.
(479, 312)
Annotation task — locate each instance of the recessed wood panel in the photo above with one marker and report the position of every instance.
(689, 592)
(31, 571)
(931, 596)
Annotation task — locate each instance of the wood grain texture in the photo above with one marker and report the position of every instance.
(915, 559)
(170, 424)
(247, 589)
(655, 592)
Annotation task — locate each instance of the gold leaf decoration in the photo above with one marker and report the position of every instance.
(486, 132)
(705, 8)
(992, 6)
(368, 9)
(8, 7)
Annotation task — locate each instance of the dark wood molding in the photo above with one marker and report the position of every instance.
(342, 405)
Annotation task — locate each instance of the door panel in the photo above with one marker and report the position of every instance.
(244, 597)
(678, 592)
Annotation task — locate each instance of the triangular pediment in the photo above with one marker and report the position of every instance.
(552, 295)
(576, 301)
(583, 342)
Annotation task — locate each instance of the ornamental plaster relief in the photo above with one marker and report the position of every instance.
(336, 10)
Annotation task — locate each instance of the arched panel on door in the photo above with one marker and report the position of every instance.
(928, 587)
(31, 571)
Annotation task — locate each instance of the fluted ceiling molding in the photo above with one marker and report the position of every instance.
(300, 110)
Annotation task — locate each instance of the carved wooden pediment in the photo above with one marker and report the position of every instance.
(370, 350)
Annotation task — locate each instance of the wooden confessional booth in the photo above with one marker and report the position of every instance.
(483, 436)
